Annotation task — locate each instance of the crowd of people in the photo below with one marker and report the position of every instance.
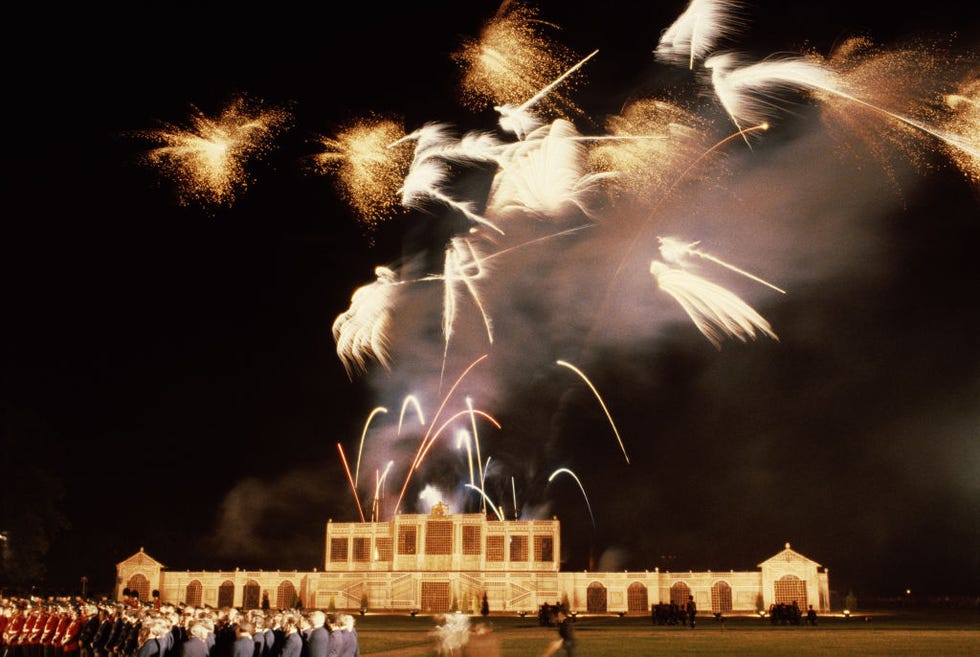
(77, 627)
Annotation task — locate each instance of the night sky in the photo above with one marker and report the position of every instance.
(170, 379)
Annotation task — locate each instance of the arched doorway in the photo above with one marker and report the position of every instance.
(139, 586)
(595, 598)
(790, 589)
(226, 594)
(679, 593)
(721, 597)
(637, 600)
(193, 595)
(286, 597)
(250, 595)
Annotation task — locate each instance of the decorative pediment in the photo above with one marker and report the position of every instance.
(141, 559)
(787, 556)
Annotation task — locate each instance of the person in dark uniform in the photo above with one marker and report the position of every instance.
(692, 610)
(244, 645)
(566, 635)
(318, 640)
(195, 646)
(292, 645)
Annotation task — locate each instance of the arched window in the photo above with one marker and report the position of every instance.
(790, 589)
(140, 586)
(193, 595)
(286, 597)
(721, 597)
(595, 598)
(679, 592)
(250, 595)
(226, 594)
(636, 598)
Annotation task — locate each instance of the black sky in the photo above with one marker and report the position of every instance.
(172, 367)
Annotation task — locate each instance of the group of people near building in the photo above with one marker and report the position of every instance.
(674, 613)
(790, 614)
(82, 628)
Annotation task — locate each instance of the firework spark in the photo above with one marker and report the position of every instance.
(410, 399)
(697, 30)
(601, 403)
(512, 60)
(360, 446)
(486, 499)
(367, 172)
(544, 175)
(965, 121)
(747, 92)
(646, 168)
(580, 487)
(712, 308)
(207, 159)
(520, 120)
(425, 438)
(361, 332)
(350, 480)
(677, 252)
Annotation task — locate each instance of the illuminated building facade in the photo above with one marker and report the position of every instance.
(441, 562)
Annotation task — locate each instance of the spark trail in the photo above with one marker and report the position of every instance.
(410, 399)
(518, 120)
(350, 479)
(360, 447)
(675, 251)
(442, 405)
(580, 487)
(601, 403)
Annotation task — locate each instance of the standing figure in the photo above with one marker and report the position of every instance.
(566, 635)
(318, 639)
(692, 610)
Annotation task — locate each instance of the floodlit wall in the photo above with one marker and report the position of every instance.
(442, 562)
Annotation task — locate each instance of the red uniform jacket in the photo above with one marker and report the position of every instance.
(69, 641)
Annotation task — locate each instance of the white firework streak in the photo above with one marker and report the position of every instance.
(544, 174)
(463, 265)
(673, 250)
(361, 332)
(423, 182)
(743, 90)
(714, 310)
(519, 120)
(696, 31)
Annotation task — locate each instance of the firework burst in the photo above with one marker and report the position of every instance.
(207, 158)
(367, 172)
(512, 60)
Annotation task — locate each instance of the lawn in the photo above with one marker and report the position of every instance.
(945, 633)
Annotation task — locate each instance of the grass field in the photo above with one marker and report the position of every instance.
(943, 633)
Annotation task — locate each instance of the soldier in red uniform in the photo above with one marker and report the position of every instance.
(70, 637)
(11, 633)
(49, 630)
(30, 636)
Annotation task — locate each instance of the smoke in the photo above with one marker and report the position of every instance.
(817, 205)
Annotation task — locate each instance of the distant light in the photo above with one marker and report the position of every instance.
(908, 591)
(847, 613)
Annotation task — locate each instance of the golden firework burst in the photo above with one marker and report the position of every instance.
(368, 170)
(207, 158)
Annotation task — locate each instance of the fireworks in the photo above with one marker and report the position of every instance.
(698, 30)
(512, 61)
(367, 172)
(547, 179)
(207, 159)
